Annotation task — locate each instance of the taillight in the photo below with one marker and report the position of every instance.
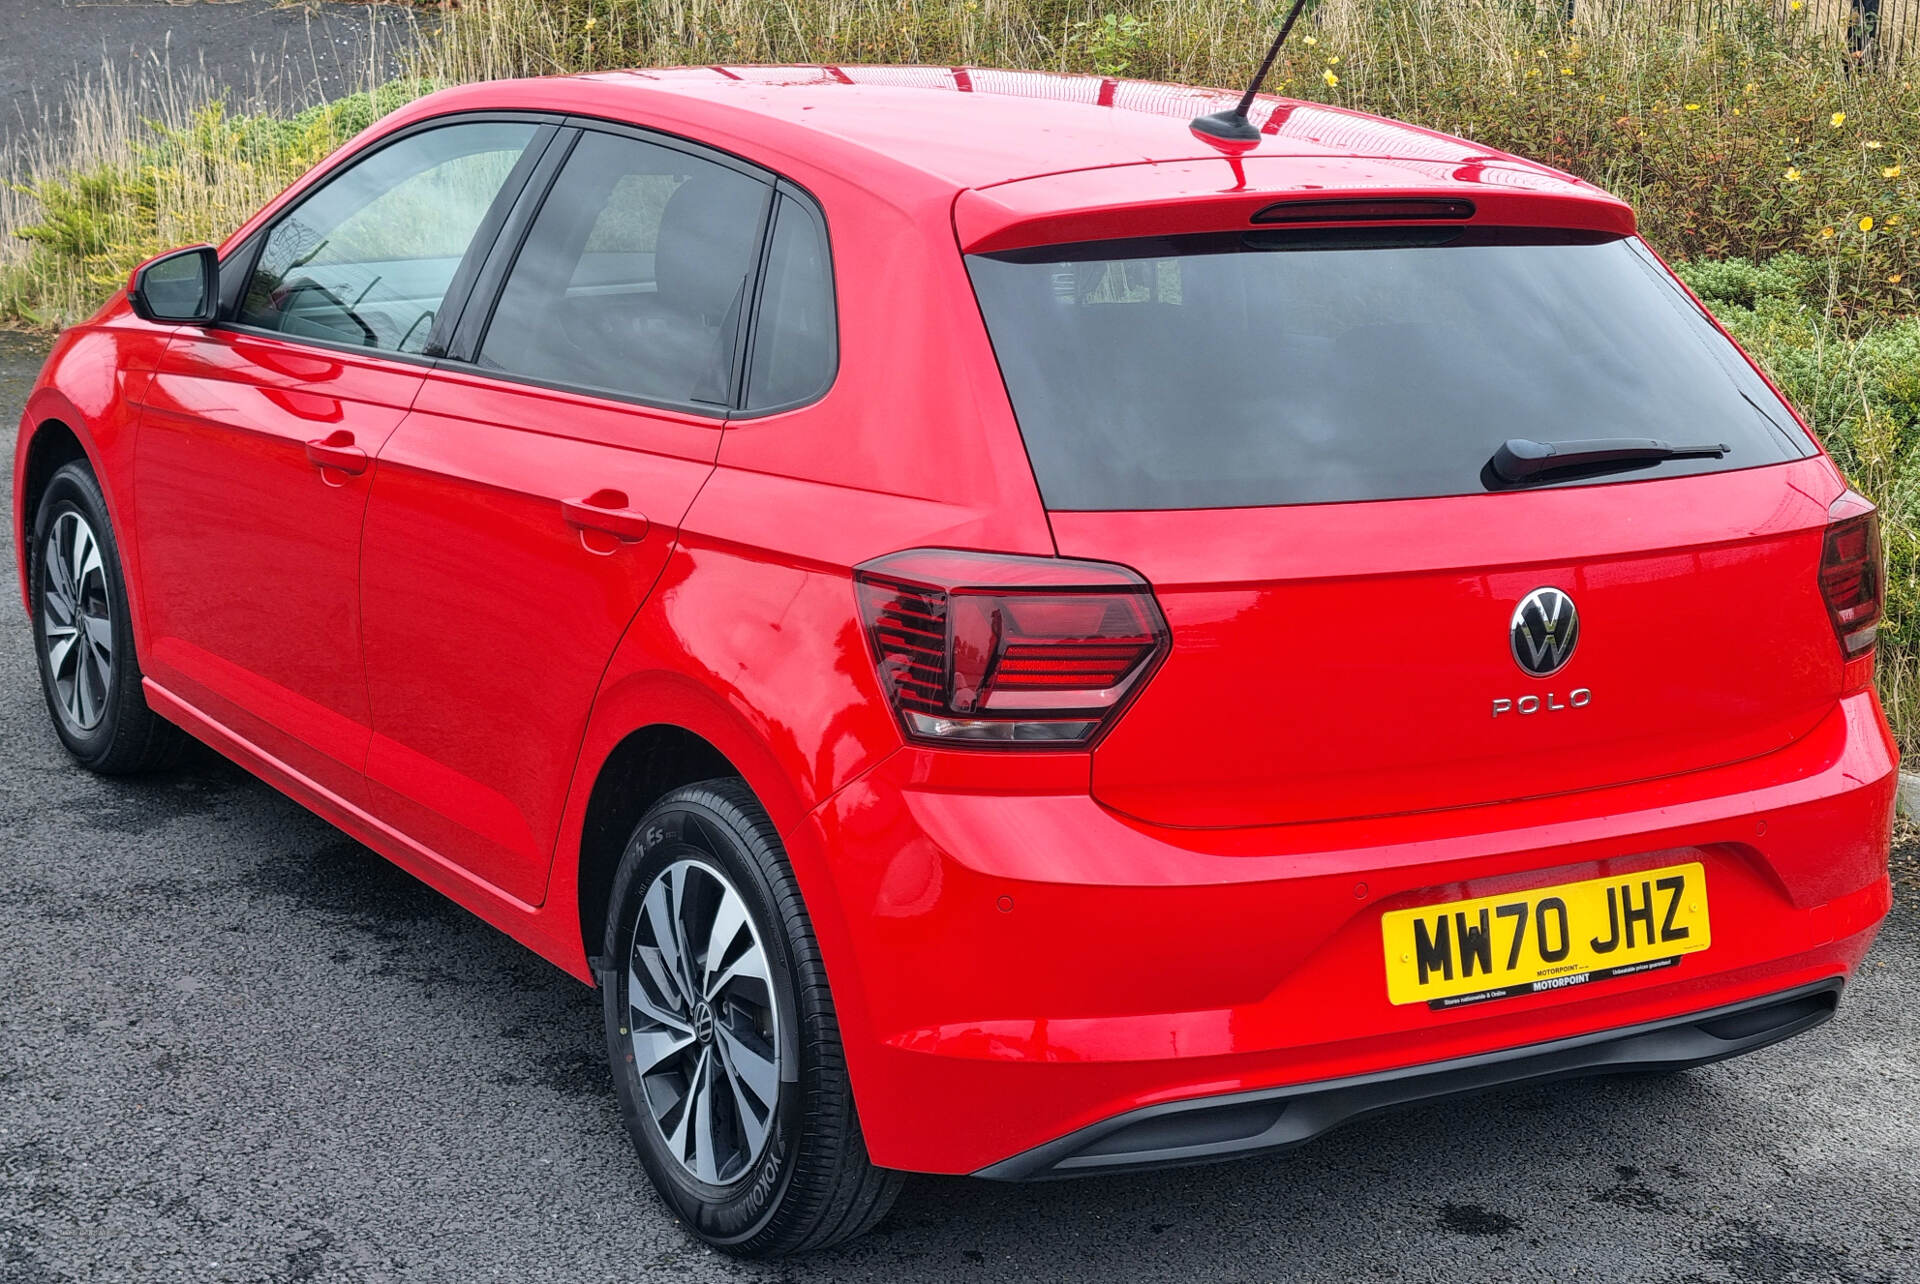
(995, 650)
(1850, 573)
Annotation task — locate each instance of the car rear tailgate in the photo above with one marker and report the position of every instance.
(1350, 660)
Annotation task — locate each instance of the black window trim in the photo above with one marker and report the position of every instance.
(248, 251)
(489, 282)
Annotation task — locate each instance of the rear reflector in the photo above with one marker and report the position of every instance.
(1850, 573)
(994, 650)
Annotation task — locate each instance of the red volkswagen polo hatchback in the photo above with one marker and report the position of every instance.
(1004, 640)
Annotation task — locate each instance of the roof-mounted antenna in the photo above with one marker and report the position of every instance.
(1231, 131)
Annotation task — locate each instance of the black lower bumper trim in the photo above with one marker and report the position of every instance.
(1227, 1127)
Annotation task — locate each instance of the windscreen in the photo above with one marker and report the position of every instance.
(1304, 366)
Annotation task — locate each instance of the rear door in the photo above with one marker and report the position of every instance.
(254, 456)
(1290, 437)
(524, 509)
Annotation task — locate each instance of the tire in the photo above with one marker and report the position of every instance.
(770, 1177)
(83, 634)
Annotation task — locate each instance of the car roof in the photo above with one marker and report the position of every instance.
(964, 127)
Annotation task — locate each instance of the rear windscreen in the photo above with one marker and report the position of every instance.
(1299, 367)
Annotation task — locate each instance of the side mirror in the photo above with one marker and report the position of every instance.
(181, 287)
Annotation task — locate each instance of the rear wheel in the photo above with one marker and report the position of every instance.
(83, 634)
(723, 1041)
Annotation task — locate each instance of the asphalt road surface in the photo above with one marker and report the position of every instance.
(235, 1045)
(272, 52)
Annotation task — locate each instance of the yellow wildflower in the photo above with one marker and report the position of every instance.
(1826, 234)
(1894, 279)
(1310, 41)
(1892, 219)
(1792, 175)
(1693, 106)
(1332, 58)
(1871, 145)
(1838, 119)
(1890, 171)
(1866, 223)
(1794, 5)
(1330, 78)
(1566, 71)
(590, 24)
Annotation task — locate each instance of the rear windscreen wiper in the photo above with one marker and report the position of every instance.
(1521, 459)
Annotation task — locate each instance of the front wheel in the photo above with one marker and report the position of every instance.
(721, 1033)
(83, 634)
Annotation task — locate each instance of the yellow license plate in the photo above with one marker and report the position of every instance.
(1551, 938)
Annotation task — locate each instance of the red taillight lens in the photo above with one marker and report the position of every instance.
(1850, 573)
(986, 649)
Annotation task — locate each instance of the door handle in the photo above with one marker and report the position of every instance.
(337, 451)
(606, 511)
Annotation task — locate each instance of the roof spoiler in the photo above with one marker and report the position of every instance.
(1180, 197)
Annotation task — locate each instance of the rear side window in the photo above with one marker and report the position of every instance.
(367, 259)
(793, 337)
(634, 275)
(1279, 368)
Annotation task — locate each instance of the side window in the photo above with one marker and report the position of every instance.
(367, 259)
(633, 276)
(794, 344)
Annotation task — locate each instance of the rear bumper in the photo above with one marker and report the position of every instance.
(1018, 968)
(1246, 1123)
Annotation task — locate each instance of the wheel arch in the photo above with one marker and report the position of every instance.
(57, 436)
(642, 768)
(653, 731)
(54, 431)
(53, 446)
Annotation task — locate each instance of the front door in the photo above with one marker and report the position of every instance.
(257, 445)
(523, 510)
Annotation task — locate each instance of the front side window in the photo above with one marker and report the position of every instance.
(367, 259)
(1246, 370)
(633, 278)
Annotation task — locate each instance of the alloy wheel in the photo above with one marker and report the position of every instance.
(76, 630)
(703, 1023)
